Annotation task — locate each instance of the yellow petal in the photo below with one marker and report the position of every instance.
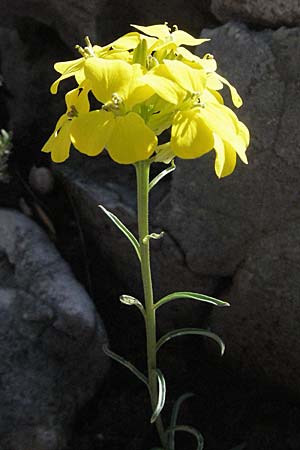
(213, 82)
(67, 69)
(137, 90)
(68, 66)
(236, 99)
(244, 133)
(225, 157)
(159, 31)
(108, 77)
(190, 136)
(91, 131)
(185, 54)
(159, 79)
(59, 142)
(192, 80)
(78, 98)
(183, 38)
(131, 140)
(220, 120)
(127, 42)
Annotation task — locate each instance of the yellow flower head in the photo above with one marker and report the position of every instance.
(146, 82)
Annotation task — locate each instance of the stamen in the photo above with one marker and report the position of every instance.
(114, 104)
(175, 27)
(87, 50)
(116, 99)
(73, 112)
(80, 50)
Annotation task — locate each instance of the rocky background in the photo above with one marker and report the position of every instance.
(63, 265)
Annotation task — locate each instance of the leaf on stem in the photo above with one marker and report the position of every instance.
(162, 175)
(190, 430)
(190, 331)
(174, 417)
(129, 300)
(124, 230)
(192, 296)
(147, 238)
(125, 363)
(161, 396)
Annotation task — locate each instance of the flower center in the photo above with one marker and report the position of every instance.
(115, 105)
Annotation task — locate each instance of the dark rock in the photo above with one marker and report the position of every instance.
(41, 180)
(51, 340)
(273, 13)
(249, 223)
(72, 19)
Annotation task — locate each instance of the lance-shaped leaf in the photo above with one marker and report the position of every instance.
(125, 363)
(155, 236)
(190, 430)
(129, 300)
(192, 296)
(162, 174)
(161, 396)
(174, 417)
(190, 331)
(124, 230)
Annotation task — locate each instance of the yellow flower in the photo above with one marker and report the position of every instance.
(116, 50)
(119, 86)
(147, 82)
(59, 142)
(210, 125)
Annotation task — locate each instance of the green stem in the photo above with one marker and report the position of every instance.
(142, 173)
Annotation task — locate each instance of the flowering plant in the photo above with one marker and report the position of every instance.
(147, 82)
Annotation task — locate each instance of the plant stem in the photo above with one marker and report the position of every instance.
(142, 174)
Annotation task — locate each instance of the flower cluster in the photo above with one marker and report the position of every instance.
(146, 82)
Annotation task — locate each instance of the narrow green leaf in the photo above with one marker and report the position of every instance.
(189, 331)
(129, 300)
(153, 236)
(174, 417)
(162, 175)
(161, 396)
(124, 230)
(192, 296)
(125, 363)
(190, 430)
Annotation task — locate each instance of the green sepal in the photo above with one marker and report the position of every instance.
(192, 296)
(125, 363)
(190, 331)
(124, 230)
(161, 396)
(140, 54)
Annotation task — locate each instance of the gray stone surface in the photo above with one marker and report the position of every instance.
(72, 19)
(51, 358)
(249, 223)
(274, 13)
